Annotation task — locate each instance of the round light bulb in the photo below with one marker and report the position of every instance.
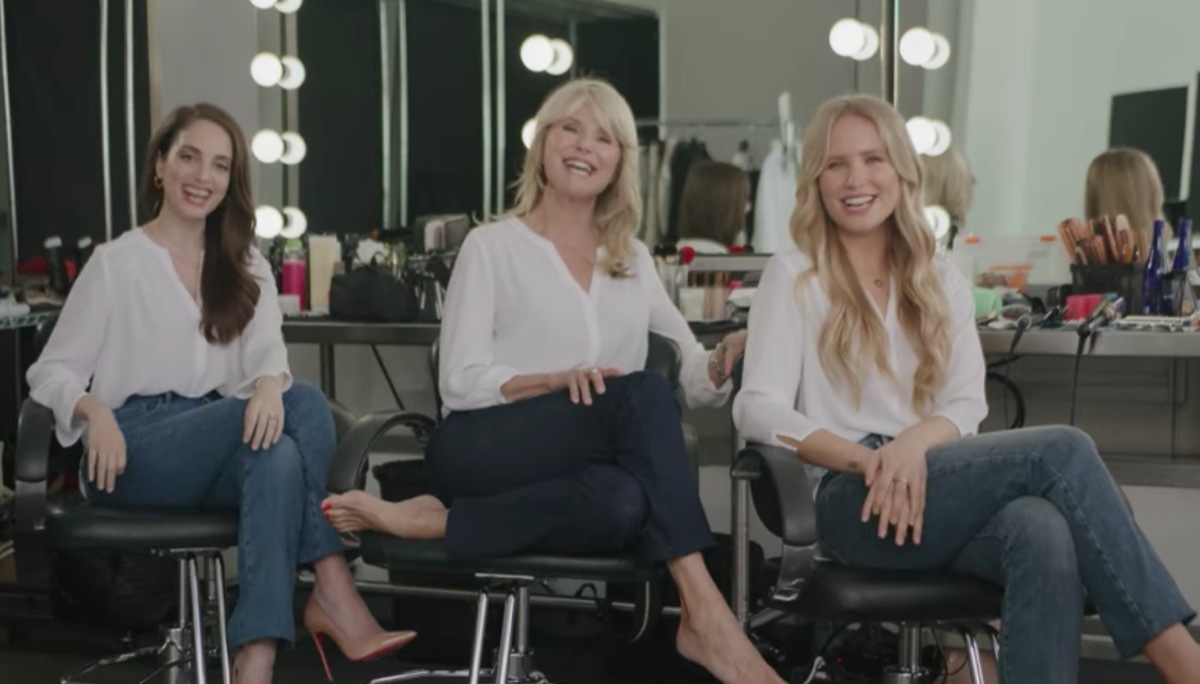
(942, 140)
(288, 6)
(847, 37)
(941, 53)
(294, 148)
(870, 45)
(293, 73)
(564, 57)
(268, 222)
(939, 221)
(537, 54)
(922, 133)
(267, 146)
(296, 223)
(917, 46)
(263, 4)
(266, 69)
(528, 131)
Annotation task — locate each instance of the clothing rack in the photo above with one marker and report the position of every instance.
(784, 125)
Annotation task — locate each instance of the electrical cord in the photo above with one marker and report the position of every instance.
(388, 377)
(1083, 338)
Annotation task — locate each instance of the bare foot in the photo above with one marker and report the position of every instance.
(421, 517)
(718, 645)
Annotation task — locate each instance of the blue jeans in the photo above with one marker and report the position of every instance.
(1036, 511)
(189, 452)
(547, 475)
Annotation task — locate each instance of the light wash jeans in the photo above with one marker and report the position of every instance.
(1037, 512)
(189, 452)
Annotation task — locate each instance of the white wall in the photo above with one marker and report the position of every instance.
(731, 59)
(1040, 89)
(203, 52)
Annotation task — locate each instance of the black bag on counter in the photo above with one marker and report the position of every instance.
(371, 294)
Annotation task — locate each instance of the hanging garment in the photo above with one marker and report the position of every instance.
(774, 202)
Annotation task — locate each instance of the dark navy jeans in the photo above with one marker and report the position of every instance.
(547, 475)
(189, 452)
(1036, 511)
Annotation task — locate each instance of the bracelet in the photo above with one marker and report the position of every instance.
(716, 360)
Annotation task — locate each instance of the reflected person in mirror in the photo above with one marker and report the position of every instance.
(864, 358)
(1125, 181)
(169, 356)
(555, 438)
(713, 208)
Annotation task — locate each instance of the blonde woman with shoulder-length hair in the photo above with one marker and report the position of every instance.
(1126, 181)
(554, 438)
(863, 357)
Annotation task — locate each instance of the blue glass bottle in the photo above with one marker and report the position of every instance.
(1152, 290)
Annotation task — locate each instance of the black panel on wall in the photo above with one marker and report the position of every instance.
(525, 90)
(445, 168)
(55, 103)
(625, 53)
(341, 179)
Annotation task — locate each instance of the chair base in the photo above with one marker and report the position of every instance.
(516, 665)
(181, 655)
(486, 676)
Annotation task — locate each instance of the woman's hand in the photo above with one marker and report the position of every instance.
(728, 351)
(896, 482)
(105, 449)
(581, 383)
(263, 424)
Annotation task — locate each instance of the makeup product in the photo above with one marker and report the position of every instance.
(54, 259)
(1152, 280)
(293, 273)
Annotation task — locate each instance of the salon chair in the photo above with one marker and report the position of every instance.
(816, 588)
(193, 537)
(511, 577)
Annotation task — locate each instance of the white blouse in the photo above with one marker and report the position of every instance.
(130, 327)
(786, 392)
(513, 308)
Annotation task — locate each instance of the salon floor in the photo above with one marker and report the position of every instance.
(44, 659)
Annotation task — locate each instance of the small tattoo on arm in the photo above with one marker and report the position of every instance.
(854, 465)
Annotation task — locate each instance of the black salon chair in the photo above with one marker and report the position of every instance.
(512, 577)
(816, 588)
(193, 537)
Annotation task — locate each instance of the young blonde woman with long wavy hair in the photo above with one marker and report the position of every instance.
(555, 440)
(863, 357)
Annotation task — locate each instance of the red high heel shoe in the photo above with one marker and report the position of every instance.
(320, 625)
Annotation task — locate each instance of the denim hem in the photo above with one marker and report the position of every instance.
(1128, 651)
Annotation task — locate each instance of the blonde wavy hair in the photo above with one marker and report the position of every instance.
(853, 334)
(1126, 181)
(619, 207)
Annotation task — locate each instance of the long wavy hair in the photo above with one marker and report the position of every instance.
(853, 335)
(228, 291)
(619, 207)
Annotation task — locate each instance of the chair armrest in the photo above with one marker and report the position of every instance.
(781, 490)
(349, 467)
(35, 430)
(783, 497)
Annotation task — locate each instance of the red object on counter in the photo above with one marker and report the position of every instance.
(737, 249)
(687, 255)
